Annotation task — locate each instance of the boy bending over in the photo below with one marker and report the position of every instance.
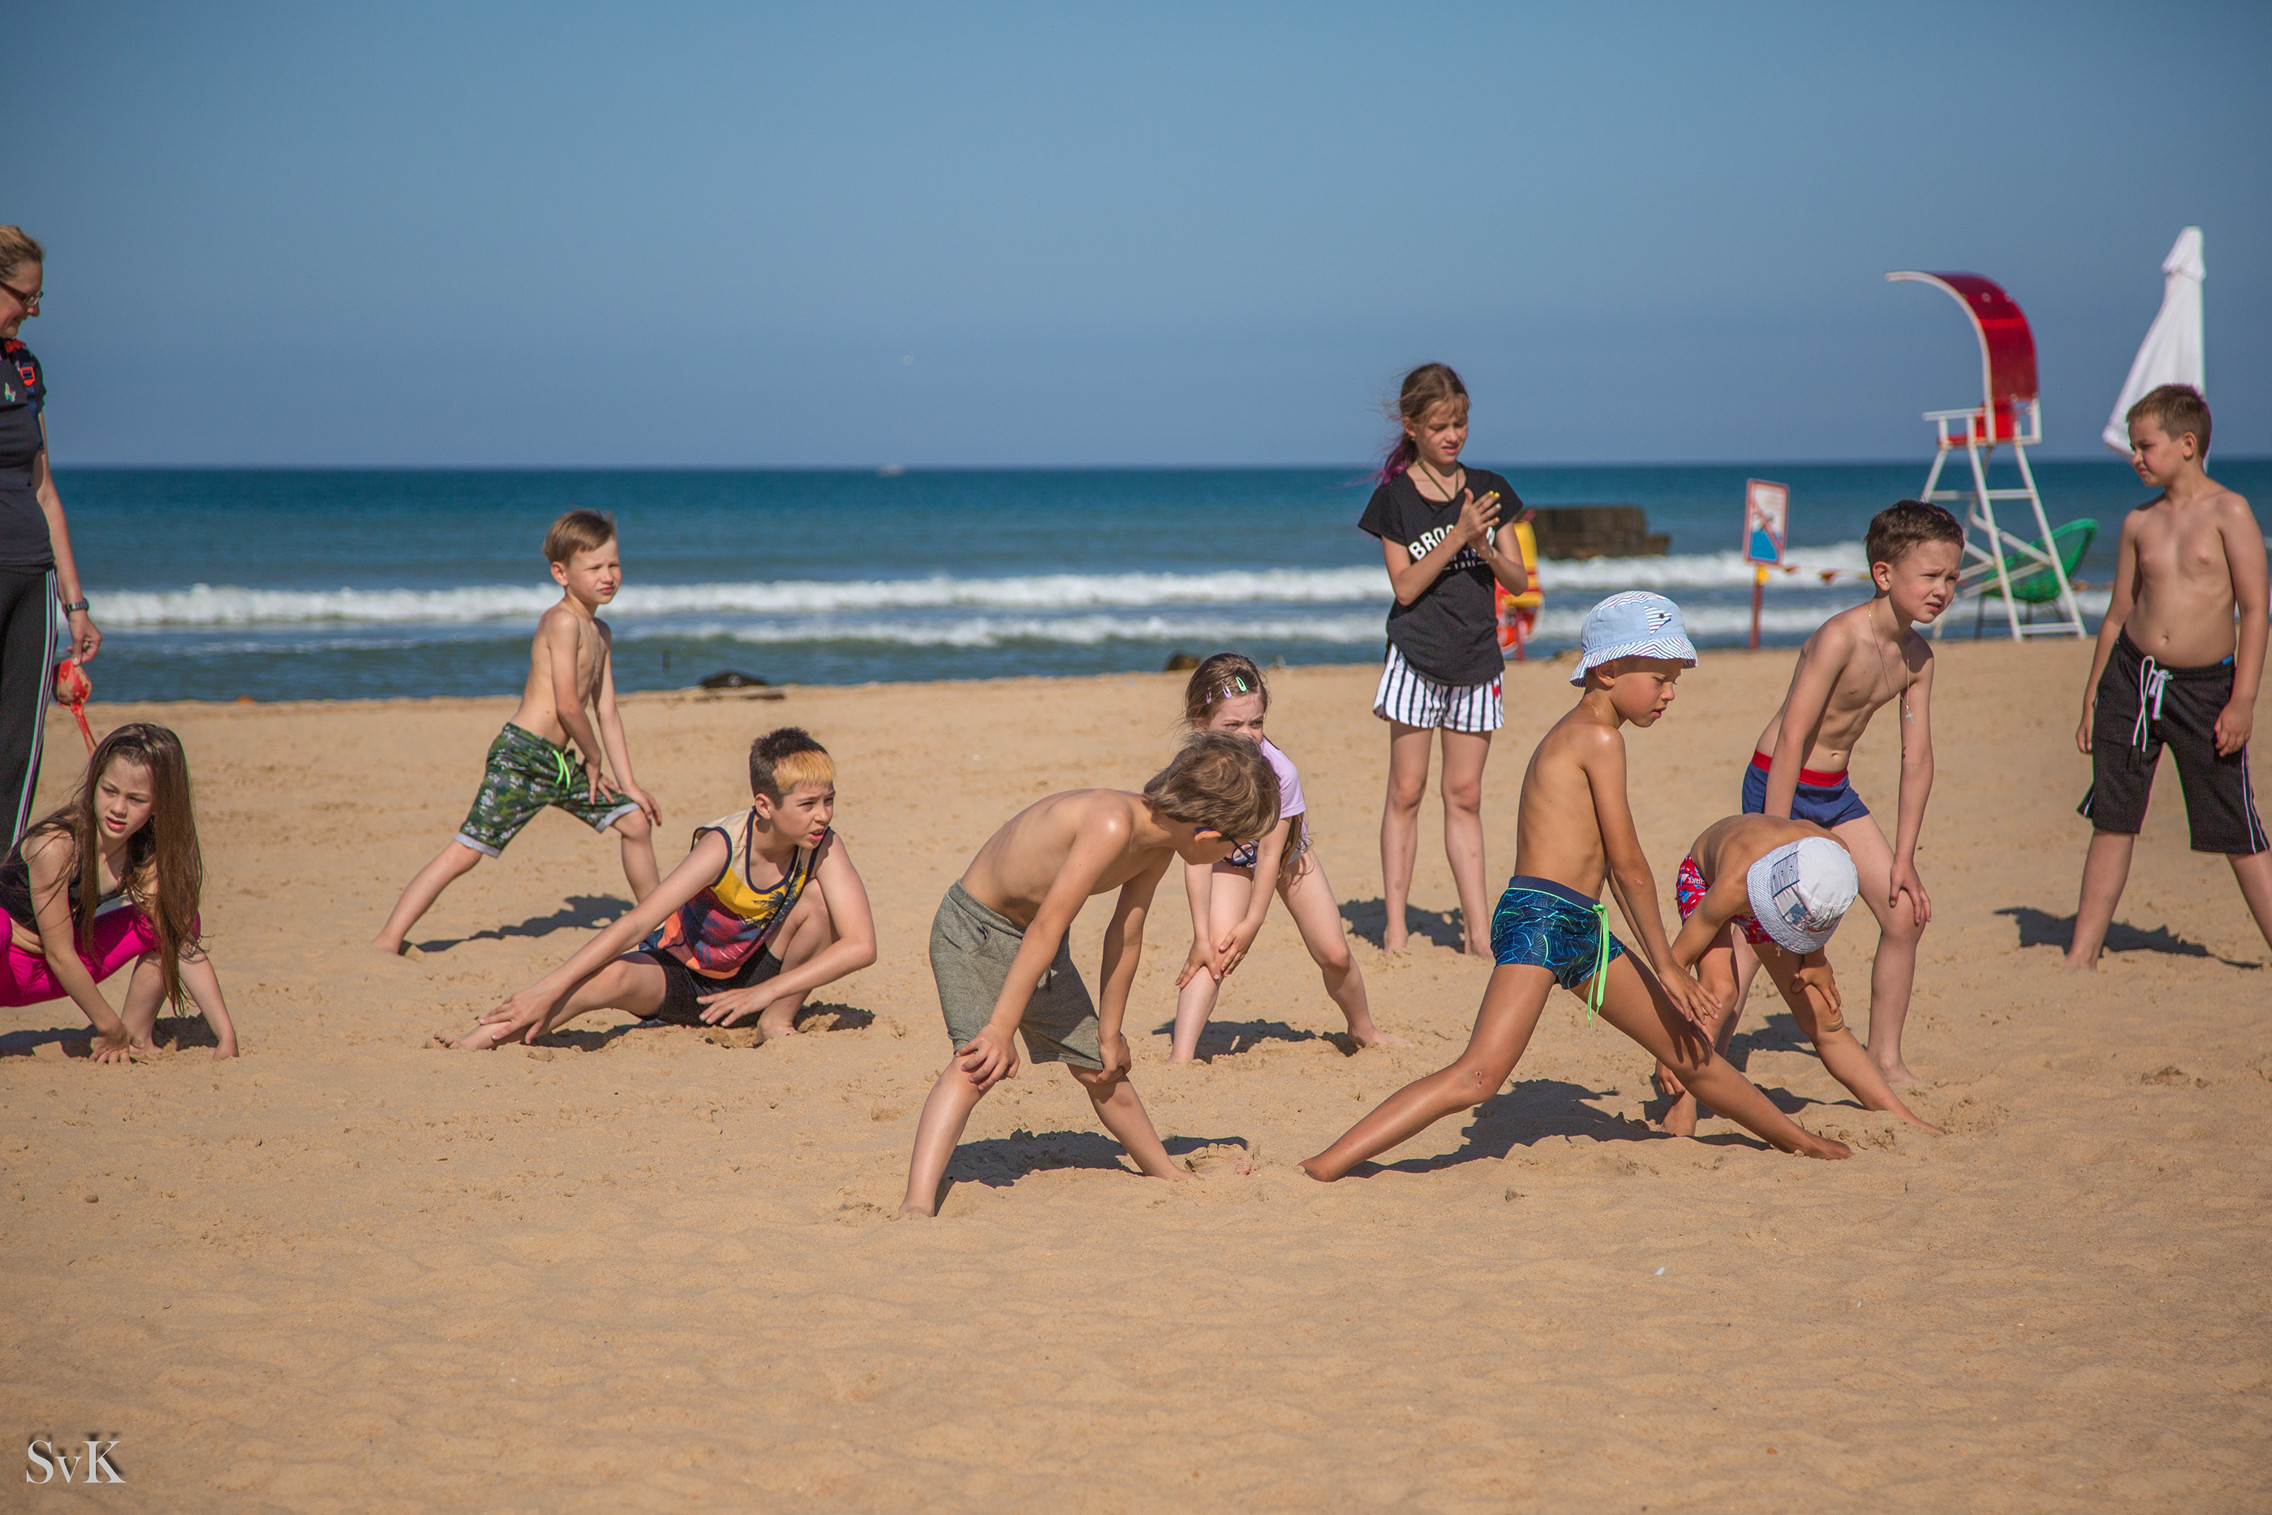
(530, 765)
(2171, 669)
(1574, 828)
(998, 946)
(1785, 885)
(1855, 664)
(766, 908)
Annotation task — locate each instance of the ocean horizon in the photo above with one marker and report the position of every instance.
(217, 584)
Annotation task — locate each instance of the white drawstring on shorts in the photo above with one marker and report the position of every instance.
(2152, 680)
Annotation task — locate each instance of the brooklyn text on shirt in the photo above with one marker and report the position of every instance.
(1464, 558)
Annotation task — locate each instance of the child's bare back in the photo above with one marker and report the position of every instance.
(1016, 869)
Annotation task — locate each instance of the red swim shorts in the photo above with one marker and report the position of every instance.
(1688, 893)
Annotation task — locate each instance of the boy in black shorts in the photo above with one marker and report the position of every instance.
(2173, 669)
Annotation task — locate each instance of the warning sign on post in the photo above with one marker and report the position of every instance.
(1766, 513)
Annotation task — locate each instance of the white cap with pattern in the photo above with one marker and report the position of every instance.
(1801, 891)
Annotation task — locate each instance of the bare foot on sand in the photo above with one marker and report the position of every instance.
(482, 1038)
(1898, 1073)
(1823, 1147)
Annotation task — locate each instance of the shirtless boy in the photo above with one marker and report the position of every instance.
(2172, 668)
(1574, 828)
(766, 908)
(530, 765)
(1857, 662)
(1785, 886)
(999, 954)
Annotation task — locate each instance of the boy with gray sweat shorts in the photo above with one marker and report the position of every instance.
(999, 954)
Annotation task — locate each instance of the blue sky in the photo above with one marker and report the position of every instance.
(1088, 234)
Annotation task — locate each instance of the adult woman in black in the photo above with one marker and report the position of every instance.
(35, 543)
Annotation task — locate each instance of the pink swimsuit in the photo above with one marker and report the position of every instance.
(122, 934)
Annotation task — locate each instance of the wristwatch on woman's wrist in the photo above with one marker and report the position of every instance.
(75, 607)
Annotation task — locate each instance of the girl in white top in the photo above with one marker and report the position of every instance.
(1226, 694)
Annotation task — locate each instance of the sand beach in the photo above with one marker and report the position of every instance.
(644, 1269)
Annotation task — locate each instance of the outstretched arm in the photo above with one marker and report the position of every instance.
(85, 639)
(1916, 727)
(611, 736)
(1123, 945)
(1269, 853)
(1820, 662)
(557, 631)
(527, 1011)
(50, 862)
(1633, 885)
(1723, 901)
(849, 921)
(2244, 555)
(990, 1056)
(2117, 611)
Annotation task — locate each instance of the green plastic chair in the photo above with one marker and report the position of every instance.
(2038, 586)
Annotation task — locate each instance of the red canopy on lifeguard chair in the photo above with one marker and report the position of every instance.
(2009, 415)
(2007, 357)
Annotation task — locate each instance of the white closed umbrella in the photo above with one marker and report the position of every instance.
(2171, 353)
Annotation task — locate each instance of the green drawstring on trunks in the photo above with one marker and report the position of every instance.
(567, 774)
(1601, 960)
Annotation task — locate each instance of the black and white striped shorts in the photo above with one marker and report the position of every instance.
(1415, 699)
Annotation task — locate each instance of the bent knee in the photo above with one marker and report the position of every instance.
(1332, 956)
(1473, 1083)
(634, 825)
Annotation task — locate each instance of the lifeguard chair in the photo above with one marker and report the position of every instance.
(2009, 415)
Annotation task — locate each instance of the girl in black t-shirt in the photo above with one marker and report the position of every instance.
(1437, 524)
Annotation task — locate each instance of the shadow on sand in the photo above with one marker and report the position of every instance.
(823, 1017)
(584, 912)
(1538, 1108)
(1224, 1038)
(1369, 918)
(174, 1033)
(1000, 1161)
(2041, 929)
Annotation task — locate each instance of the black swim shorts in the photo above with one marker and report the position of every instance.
(683, 987)
(2143, 707)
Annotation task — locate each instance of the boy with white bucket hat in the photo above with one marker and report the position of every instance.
(1574, 834)
(1785, 885)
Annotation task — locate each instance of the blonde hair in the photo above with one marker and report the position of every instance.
(577, 531)
(785, 757)
(18, 247)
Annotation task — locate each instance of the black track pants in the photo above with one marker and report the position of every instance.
(27, 681)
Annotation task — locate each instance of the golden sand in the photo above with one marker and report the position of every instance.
(651, 1268)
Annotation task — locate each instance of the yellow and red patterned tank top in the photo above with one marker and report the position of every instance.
(730, 922)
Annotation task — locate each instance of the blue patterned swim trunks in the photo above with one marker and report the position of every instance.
(1542, 924)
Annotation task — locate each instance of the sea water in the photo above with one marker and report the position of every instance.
(216, 584)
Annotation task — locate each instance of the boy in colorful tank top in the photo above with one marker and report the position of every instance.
(766, 908)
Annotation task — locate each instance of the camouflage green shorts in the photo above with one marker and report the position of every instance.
(525, 774)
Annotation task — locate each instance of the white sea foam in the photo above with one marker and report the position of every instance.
(220, 605)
